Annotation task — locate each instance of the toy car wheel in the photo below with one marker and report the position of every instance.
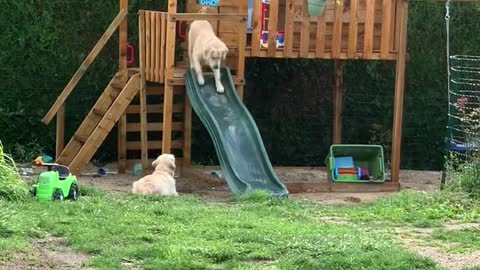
(73, 193)
(58, 196)
(33, 191)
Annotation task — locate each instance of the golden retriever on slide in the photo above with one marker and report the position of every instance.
(161, 181)
(206, 49)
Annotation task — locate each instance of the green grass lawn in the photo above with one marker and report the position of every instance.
(252, 232)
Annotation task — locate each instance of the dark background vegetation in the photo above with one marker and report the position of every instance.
(42, 44)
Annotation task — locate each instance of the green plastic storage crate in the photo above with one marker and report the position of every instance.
(367, 156)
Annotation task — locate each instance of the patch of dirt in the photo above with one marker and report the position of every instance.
(185, 185)
(462, 226)
(335, 220)
(447, 260)
(59, 254)
(46, 253)
(30, 260)
(341, 198)
(202, 184)
(420, 180)
(130, 264)
(414, 239)
(422, 233)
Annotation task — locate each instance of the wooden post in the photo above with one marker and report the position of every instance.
(60, 140)
(187, 118)
(169, 69)
(122, 144)
(187, 134)
(352, 29)
(122, 63)
(289, 28)
(337, 29)
(123, 38)
(143, 95)
(369, 29)
(143, 126)
(272, 28)
(399, 90)
(385, 45)
(257, 31)
(242, 43)
(321, 29)
(338, 103)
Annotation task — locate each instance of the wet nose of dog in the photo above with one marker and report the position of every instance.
(215, 67)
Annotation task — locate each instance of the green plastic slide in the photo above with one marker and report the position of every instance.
(237, 141)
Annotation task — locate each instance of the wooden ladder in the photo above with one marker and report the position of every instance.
(99, 122)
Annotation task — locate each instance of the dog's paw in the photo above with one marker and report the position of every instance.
(220, 89)
(201, 80)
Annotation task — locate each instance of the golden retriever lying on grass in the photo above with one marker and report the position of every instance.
(161, 181)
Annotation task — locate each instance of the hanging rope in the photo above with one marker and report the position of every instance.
(447, 24)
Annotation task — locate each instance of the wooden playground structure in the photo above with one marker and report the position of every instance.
(150, 105)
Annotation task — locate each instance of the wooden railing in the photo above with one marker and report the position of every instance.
(153, 38)
(152, 30)
(353, 29)
(236, 20)
(84, 66)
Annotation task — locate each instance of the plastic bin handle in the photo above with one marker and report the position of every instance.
(331, 162)
(380, 161)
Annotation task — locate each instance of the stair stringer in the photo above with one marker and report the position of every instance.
(108, 121)
(92, 119)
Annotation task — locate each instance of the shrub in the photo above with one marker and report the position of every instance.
(464, 169)
(463, 173)
(12, 187)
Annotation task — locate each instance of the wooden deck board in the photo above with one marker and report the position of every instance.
(327, 54)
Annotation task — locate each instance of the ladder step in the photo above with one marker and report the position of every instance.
(133, 71)
(114, 93)
(79, 138)
(99, 112)
(119, 76)
(117, 85)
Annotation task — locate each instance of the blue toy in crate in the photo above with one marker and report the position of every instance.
(343, 162)
(212, 3)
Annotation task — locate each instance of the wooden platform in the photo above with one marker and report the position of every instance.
(179, 72)
(302, 187)
(313, 54)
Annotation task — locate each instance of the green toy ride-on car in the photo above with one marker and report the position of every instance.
(56, 184)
